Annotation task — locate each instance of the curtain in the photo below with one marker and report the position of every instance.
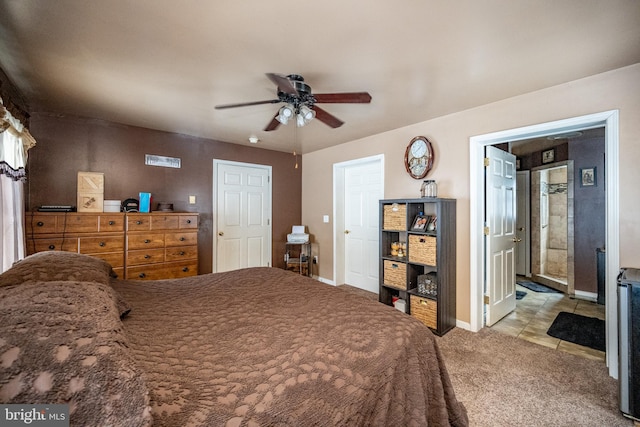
(11, 221)
(15, 141)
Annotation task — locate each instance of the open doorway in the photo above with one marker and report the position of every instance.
(552, 226)
(608, 120)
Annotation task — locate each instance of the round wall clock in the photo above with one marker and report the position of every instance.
(418, 159)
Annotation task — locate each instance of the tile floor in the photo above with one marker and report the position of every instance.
(535, 313)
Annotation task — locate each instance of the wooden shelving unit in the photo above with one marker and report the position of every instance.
(427, 253)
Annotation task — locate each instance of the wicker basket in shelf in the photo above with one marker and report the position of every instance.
(425, 310)
(395, 274)
(422, 249)
(394, 219)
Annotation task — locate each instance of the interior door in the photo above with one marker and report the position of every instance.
(242, 216)
(523, 232)
(500, 235)
(363, 190)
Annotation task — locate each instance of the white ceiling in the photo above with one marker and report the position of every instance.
(165, 64)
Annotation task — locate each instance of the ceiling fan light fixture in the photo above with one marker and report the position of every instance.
(307, 113)
(285, 114)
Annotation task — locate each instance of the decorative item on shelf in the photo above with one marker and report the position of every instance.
(431, 227)
(428, 284)
(398, 249)
(165, 207)
(145, 202)
(420, 222)
(394, 248)
(112, 206)
(130, 205)
(90, 191)
(429, 188)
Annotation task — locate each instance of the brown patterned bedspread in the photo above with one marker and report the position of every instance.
(266, 347)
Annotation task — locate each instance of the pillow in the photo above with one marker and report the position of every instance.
(63, 342)
(63, 266)
(57, 266)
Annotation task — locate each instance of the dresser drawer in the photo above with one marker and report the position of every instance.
(116, 259)
(92, 245)
(145, 241)
(54, 244)
(41, 223)
(76, 223)
(181, 252)
(112, 223)
(145, 256)
(162, 271)
(181, 239)
(165, 222)
(188, 221)
(138, 222)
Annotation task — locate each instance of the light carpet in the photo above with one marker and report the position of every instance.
(507, 381)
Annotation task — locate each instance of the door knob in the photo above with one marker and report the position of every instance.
(220, 233)
(516, 239)
(521, 229)
(347, 231)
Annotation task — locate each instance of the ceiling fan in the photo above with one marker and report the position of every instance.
(301, 103)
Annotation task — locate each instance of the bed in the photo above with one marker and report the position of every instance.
(252, 347)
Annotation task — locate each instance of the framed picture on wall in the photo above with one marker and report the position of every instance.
(548, 156)
(588, 177)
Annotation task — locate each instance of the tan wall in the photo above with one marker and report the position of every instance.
(450, 135)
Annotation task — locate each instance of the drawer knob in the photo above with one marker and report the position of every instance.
(112, 222)
(147, 241)
(423, 302)
(139, 222)
(188, 221)
(52, 247)
(181, 253)
(182, 239)
(101, 244)
(147, 256)
(142, 275)
(40, 224)
(185, 269)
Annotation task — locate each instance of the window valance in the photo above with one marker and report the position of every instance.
(15, 142)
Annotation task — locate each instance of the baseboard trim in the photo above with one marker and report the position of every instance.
(589, 296)
(323, 280)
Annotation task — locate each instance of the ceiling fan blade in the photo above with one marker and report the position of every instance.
(346, 97)
(326, 118)
(273, 124)
(246, 104)
(283, 83)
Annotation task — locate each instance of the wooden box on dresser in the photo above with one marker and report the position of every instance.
(96, 234)
(161, 245)
(424, 253)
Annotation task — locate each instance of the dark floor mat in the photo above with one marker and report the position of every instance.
(536, 287)
(578, 329)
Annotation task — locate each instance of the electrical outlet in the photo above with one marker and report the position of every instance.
(315, 259)
(192, 200)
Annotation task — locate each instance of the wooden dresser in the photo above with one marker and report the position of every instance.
(96, 234)
(161, 245)
(143, 246)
